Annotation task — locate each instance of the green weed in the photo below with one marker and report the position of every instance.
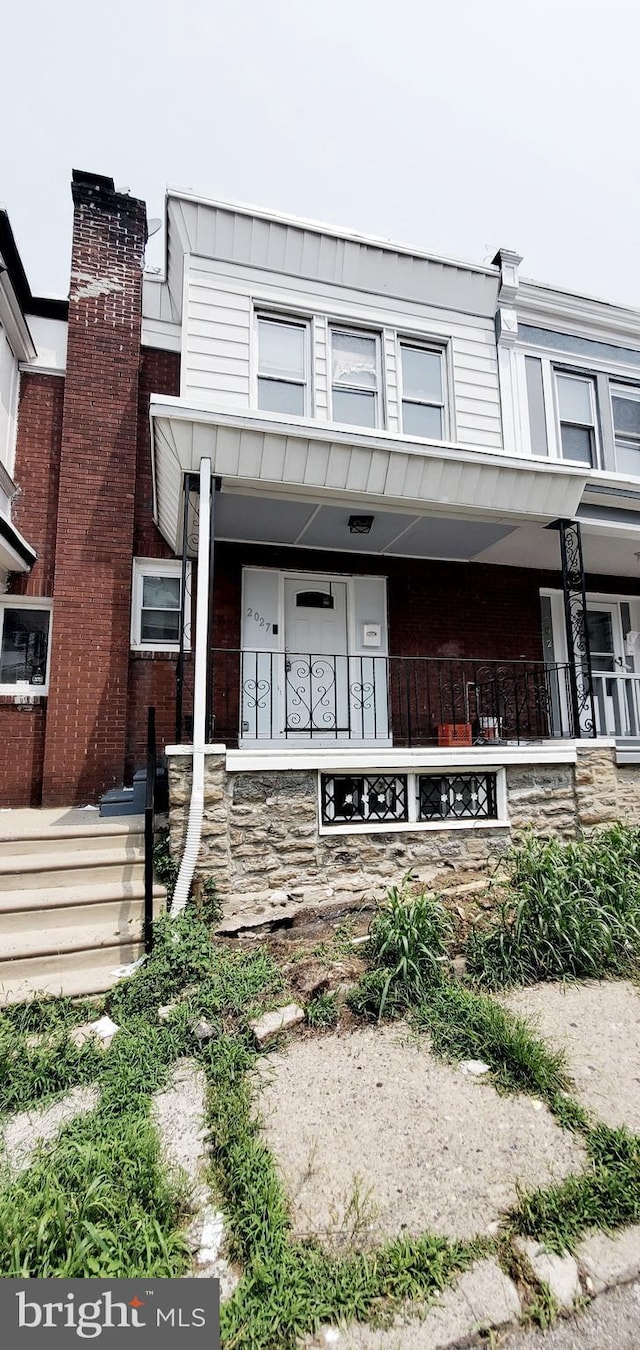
(572, 911)
(323, 1011)
(605, 1195)
(408, 939)
(467, 1025)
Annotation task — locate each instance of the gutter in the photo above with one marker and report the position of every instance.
(196, 804)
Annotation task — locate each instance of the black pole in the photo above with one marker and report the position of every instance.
(575, 617)
(149, 828)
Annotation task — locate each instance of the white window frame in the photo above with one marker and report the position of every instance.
(413, 825)
(375, 334)
(584, 377)
(436, 349)
(24, 689)
(156, 567)
(632, 392)
(289, 320)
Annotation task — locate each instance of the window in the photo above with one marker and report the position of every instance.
(577, 415)
(371, 797)
(355, 377)
(422, 392)
(625, 401)
(24, 647)
(282, 365)
(451, 796)
(156, 608)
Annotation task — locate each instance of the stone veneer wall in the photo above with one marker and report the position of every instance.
(260, 839)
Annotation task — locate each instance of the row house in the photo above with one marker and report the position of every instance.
(361, 523)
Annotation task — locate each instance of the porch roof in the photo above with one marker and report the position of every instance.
(325, 465)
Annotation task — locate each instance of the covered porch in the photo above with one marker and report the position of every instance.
(368, 593)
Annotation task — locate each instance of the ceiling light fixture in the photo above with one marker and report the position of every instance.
(360, 524)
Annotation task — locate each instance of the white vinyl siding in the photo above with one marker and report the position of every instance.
(8, 402)
(220, 354)
(216, 344)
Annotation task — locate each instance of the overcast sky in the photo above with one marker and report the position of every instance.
(457, 126)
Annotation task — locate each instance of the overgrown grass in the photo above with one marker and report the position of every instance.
(101, 1204)
(466, 1025)
(408, 941)
(571, 910)
(323, 1011)
(605, 1195)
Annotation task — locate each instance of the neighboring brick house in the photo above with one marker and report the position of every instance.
(387, 470)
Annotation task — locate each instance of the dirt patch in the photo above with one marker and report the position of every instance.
(599, 1027)
(375, 1137)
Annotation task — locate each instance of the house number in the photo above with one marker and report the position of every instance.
(258, 618)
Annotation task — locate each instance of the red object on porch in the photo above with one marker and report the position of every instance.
(454, 733)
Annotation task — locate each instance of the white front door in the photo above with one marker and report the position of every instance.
(316, 656)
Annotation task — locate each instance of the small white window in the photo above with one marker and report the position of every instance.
(24, 646)
(283, 363)
(355, 378)
(577, 417)
(423, 405)
(625, 401)
(156, 604)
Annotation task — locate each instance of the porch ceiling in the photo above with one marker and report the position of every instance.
(429, 499)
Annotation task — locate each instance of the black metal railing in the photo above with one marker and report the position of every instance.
(399, 700)
(149, 827)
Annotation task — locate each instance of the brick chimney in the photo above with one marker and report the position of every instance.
(86, 714)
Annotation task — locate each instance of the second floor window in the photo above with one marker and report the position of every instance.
(422, 392)
(625, 402)
(282, 366)
(577, 417)
(355, 377)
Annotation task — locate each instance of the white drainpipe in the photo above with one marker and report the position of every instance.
(196, 805)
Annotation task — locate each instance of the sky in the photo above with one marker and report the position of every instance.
(456, 127)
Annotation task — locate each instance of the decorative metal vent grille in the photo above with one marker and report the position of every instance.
(451, 796)
(370, 797)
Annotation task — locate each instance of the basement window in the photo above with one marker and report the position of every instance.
(357, 802)
(372, 798)
(456, 796)
(24, 646)
(156, 607)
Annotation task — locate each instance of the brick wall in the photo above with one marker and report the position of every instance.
(152, 676)
(22, 726)
(87, 708)
(37, 473)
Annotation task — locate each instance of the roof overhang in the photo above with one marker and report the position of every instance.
(261, 452)
(16, 555)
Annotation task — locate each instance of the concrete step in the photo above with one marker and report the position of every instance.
(115, 914)
(61, 838)
(85, 972)
(94, 932)
(24, 871)
(80, 895)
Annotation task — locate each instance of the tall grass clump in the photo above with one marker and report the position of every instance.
(408, 939)
(572, 910)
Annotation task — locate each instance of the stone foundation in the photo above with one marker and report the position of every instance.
(262, 845)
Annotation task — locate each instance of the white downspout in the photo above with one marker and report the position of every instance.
(196, 805)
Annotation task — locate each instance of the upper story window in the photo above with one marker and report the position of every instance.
(423, 410)
(577, 417)
(355, 377)
(283, 364)
(625, 403)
